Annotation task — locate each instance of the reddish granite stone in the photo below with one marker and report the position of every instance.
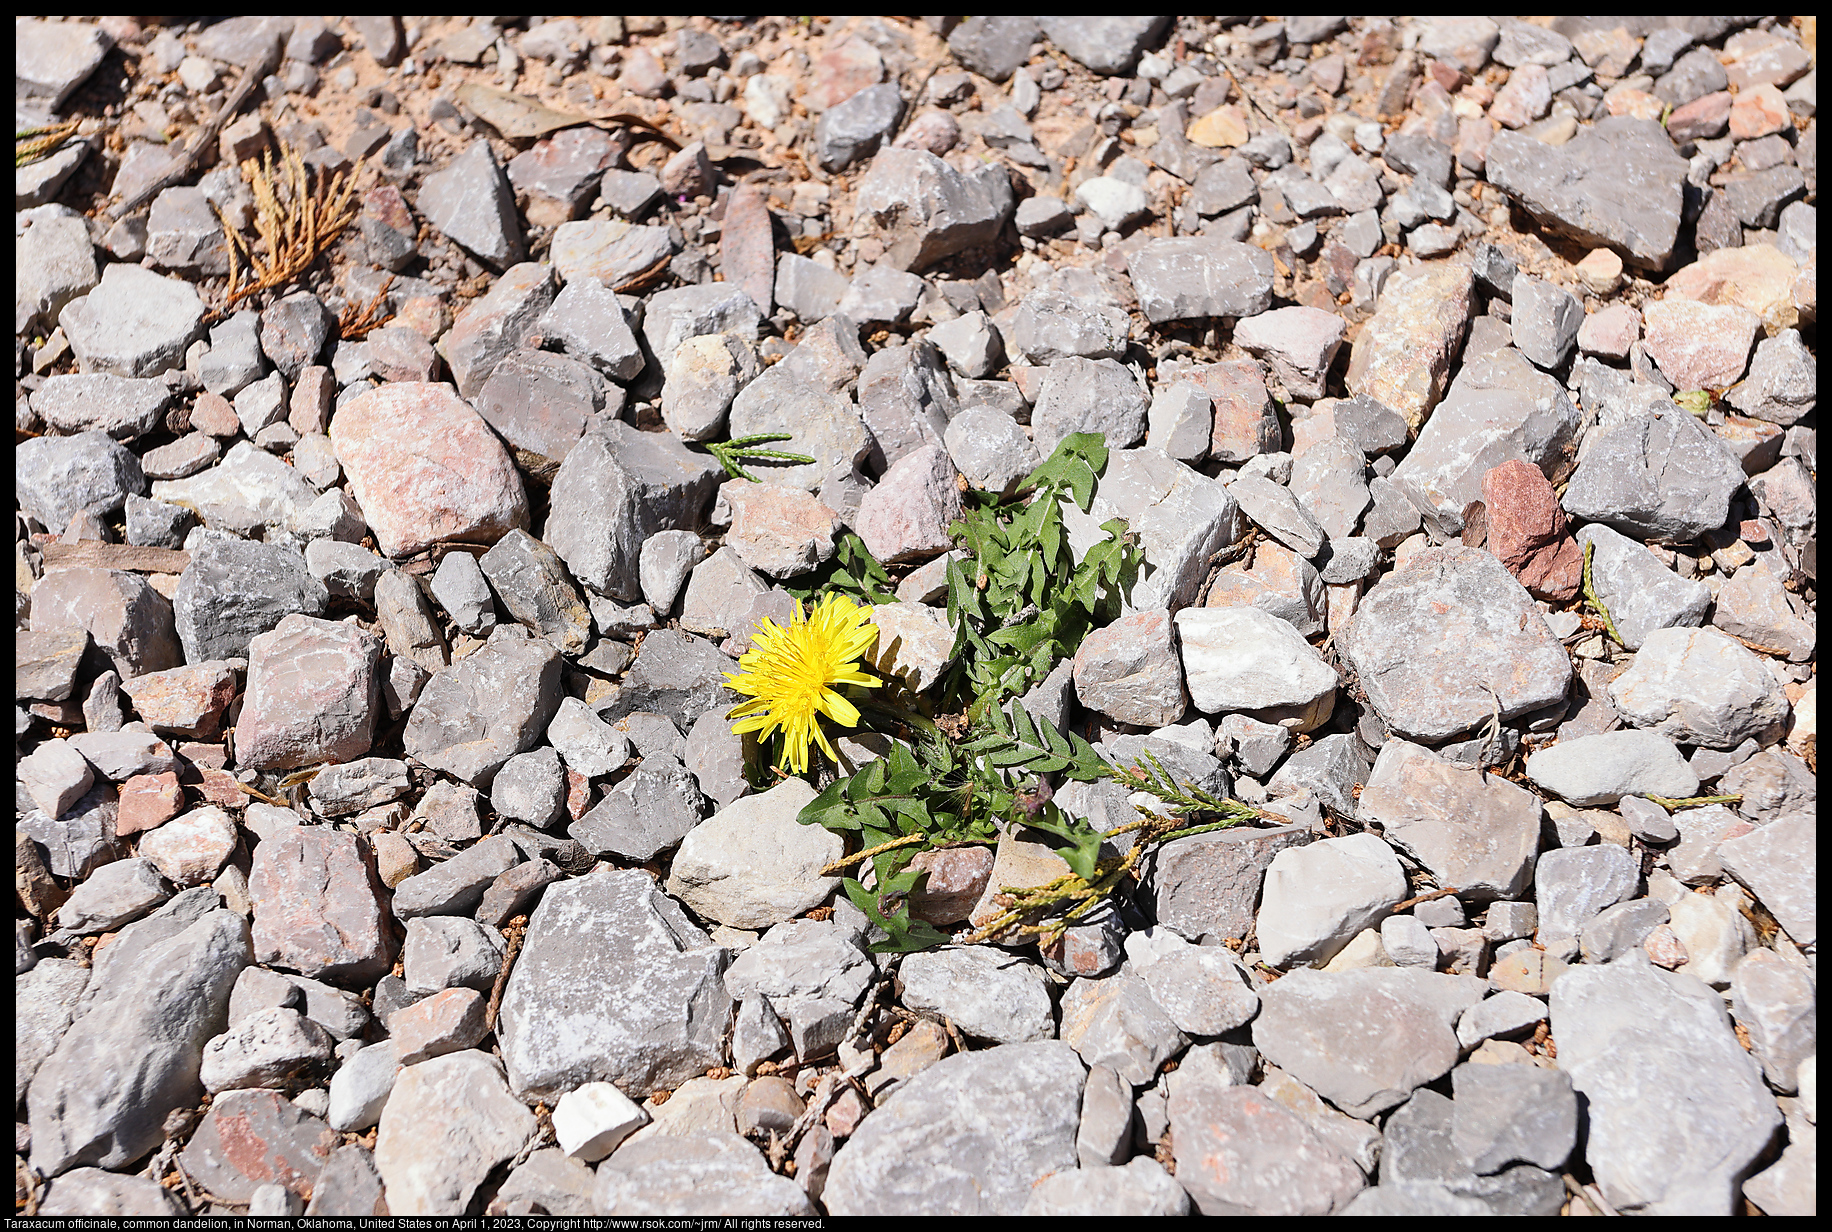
(1527, 531)
(184, 701)
(149, 801)
(313, 690)
(254, 1138)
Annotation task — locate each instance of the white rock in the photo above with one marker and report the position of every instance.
(591, 1120)
(752, 864)
(1247, 659)
(1317, 897)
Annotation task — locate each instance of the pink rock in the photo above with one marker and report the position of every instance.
(1245, 424)
(313, 689)
(426, 469)
(1473, 137)
(1665, 949)
(1299, 341)
(842, 71)
(1525, 98)
(309, 409)
(1703, 117)
(1759, 111)
(643, 74)
(778, 531)
(934, 131)
(444, 1022)
(252, 1138)
(149, 801)
(1700, 346)
(1402, 355)
(1527, 531)
(1611, 332)
(689, 173)
(318, 906)
(747, 246)
(184, 701)
(1638, 104)
(191, 849)
(1759, 277)
(213, 415)
(397, 353)
(906, 517)
(957, 878)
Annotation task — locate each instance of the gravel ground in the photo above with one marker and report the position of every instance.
(382, 843)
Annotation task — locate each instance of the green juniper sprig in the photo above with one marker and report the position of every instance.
(747, 449)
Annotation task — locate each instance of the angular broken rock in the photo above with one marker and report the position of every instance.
(1200, 276)
(926, 210)
(1402, 356)
(426, 468)
(478, 713)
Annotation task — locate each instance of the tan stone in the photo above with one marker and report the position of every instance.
(1759, 277)
(1222, 128)
(1403, 354)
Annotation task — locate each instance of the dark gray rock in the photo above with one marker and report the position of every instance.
(617, 487)
(926, 210)
(678, 675)
(854, 129)
(1758, 197)
(1616, 183)
(1108, 45)
(647, 813)
(587, 321)
(1668, 478)
(1420, 1157)
(294, 331)
(81, 839)
(1208, 885)
(1506, 1114)
(994, 46)
(471, 201)
(478, 713)
(134, 1056)
(457, 885)
(906, 399)
(531, 583)
(541, 402)
(234, 591)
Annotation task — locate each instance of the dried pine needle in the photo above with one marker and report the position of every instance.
(298, 213)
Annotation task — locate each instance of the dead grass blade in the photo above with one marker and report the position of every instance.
(32, 144)
(299, 212)
(356, 320)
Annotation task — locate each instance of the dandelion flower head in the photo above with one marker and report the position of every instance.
(790, 675)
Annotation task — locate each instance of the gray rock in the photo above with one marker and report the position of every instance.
(994, 46)
(1574, 884)
(263, 1049)
(1317, 898)
(616, 488)
(1700, 687)
(135, 323)
(293, 333)
(926, 210)
(1505, 1114)
(1208, 885)
(613, 939)
(1114, 1021)
(450, 952)
(478, 713)
(530, 787)
(1274, 508)
(471, 201)
(1202, 989)
(1667, 478)
(1177, 279)
(649, 812)
(1545, 320)
(990, 448)
(1181, 518)
(95, 1193)
(352, 787)
(531, 583)
(56, 477)
(1053, 323)
(672, 317)
(881, 295)
(427, 1167)
(984, 991)
(1471, 830)
(233, 591)
(906, 400)
(1677, 1111)
(1616, 183)
(1364, 1039)
(1602, 768)
(1330, 769)
(122, 407)
(46, 662)
(753, 864)
(1641, 593)
(249, 491)
(155, 524)
(103, 1095)
(675, 674)
(1422, 1163)
(1140, 1187)
(854, 129)
(1782, 383)
(587, 742)
(1130, 671)
(496, 323)
(588, 322)
(234, 358)
(56, 263)
(1777, 863)
(1040, 217)
(1431, 677)
(1239, 1152)
(807, 288)
(46, 999)
(1018, 1104)
(1775, 1001)
(1327, 481)
(1108, 45)
(1617, 930)
(540, 402)
(1498, 410)
(693, 1173)
(80, 840)
(55, 776)
(461, 589)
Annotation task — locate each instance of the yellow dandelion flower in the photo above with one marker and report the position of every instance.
(789, 675)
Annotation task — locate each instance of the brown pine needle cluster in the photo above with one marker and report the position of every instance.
(298, 213)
